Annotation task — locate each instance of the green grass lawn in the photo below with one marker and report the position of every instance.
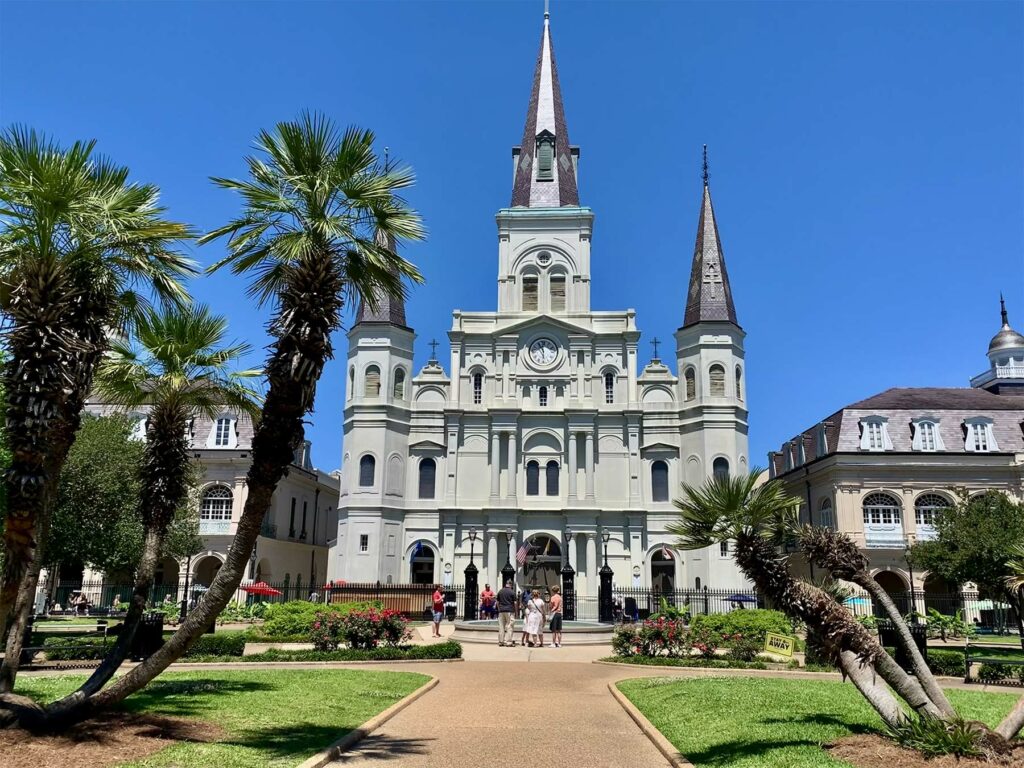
(771, 723)
(271, 718)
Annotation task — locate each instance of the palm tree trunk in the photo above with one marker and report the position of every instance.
(877, 695)
(1013, 723)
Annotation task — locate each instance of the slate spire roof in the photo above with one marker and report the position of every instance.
(390, 309)
(545, 118)
(710, 295)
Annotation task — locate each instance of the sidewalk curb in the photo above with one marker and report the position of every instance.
(356, 735)
(663, 745)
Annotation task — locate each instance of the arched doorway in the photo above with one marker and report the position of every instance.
(896, 587)
(165, 580)
(663, 571)
(421, 564)
(942, 595)
(543, 567)
(205, 570)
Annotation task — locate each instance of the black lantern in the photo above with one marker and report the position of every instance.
(469, 605)
(508, 573)
(606, 611)
(568, 581)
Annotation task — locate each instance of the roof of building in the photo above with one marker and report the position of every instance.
(545, 113)
(710, 295)
(390, 309)
(939, 399)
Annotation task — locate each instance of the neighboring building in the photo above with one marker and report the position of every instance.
(292, 547)
(541, 425)
(881, 469)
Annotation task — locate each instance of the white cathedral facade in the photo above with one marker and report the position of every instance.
(542, 430)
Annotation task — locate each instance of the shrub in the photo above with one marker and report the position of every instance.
(744, 648)
(933, 737)
(943, 662)
(446, 650)
(705, 641)
(294, 618)
(665, 661)
(943, 626)
(218, 644)
(997, 673)
(358, 629)
(755, 623)
(654, 637)
(626, 641)
(76, 648)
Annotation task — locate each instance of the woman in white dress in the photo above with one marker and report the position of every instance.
(534, 617)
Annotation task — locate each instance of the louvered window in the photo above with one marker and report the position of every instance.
(546, 158)
(373, 381)
(400, 384)
(558, 293)
(529, 293)
(716, 379)
(691, 384)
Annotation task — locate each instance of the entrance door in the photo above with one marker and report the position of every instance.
(663, 572)
(421, 569)
(543, 567)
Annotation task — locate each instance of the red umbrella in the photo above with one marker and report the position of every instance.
(260, 588)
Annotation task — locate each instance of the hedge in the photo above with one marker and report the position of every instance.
(294, 618)
(446, 650)
(667, 661)
(945, 662)
(754, 623)
(95, 648)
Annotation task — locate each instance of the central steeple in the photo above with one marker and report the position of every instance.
(545, 162)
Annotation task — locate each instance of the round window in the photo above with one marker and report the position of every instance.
(543, 257)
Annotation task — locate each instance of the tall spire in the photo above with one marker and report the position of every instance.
(1002, 311)
(390, 309)
(710, 295)
(545, 172)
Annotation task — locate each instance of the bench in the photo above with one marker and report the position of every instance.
(980, 657)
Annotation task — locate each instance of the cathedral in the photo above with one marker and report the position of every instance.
(541, 439)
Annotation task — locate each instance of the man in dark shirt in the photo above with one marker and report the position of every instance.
(506, 614)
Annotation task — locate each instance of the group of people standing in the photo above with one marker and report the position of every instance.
(534, 610)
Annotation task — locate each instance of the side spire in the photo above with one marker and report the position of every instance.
(545, 171)
(1002, 311)
(710, 295)
(390, 309)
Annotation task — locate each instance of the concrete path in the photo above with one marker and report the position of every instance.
(495, 713)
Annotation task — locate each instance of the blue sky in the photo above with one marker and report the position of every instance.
(867, 159)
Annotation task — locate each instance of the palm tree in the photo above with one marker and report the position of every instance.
(319, 212)
(82, 250)
(178, 367)
(1015, 568)
(758, 517)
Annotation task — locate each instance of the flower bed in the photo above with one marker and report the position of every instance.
(668, 661)
(359, 629)
(438, 651)
(669, 638)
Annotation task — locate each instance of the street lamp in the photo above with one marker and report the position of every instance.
(568, 581)
(184, 599)
(605, 537)
(508, 573)
(910, 566)
(469, 611)
(605, 609)
(472, 542)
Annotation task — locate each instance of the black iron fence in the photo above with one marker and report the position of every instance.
(984, 613)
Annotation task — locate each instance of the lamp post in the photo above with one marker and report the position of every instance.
(184, 599)
(469, 607)
(913, 601)
(568, 581)
(605, 608)
(508, 573)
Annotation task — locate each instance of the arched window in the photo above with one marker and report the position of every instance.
(542, 397)
(351, 381)
(551, 478)
(367, 471)
(529, 293)
(478, 388)
(399, 388)
(739, 383)
(716, 380)
(217, 502)
(609, 387)
(557, 293)
(825, 519)
(428, 474)
(659, 481)
(721, 467)
(691, 384)
(928, 507)
(881, 509)
(372, 381)
(532, 478)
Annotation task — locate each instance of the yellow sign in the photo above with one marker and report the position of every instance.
(780, 645)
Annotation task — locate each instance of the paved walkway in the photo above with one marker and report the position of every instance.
(492, 713)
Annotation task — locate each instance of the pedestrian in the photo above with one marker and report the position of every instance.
(506, 615)
(556, 618)
(438, 609)
(533, 626)
(524, 602)
(487, 602)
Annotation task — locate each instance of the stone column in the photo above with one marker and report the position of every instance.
(572, 465)
(590, 464)
(591, 564)
(513, 465)
(492, 576)
(495, 462)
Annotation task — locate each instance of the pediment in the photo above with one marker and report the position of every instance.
(547, 321)
(426, 442)
(659, 447)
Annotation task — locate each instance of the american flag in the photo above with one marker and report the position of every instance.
(523, 552)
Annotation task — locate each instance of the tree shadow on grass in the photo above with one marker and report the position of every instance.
(381, 747)
(822, 719)
(189, 698)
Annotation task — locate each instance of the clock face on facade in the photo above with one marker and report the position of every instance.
(543, 352)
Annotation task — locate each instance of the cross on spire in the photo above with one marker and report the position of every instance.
(433, 349)
(1002, 309)
(706, 174)
(654, 343)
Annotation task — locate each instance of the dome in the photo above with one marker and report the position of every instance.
(1007, 338)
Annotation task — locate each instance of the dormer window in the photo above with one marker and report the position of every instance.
(979, 437)
(545, 157)
(874, 434)
(223, 437)
(224, 433)
(926, 435)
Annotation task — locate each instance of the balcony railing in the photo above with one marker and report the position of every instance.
(884, 538)
(926, 532)
(214, 527)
